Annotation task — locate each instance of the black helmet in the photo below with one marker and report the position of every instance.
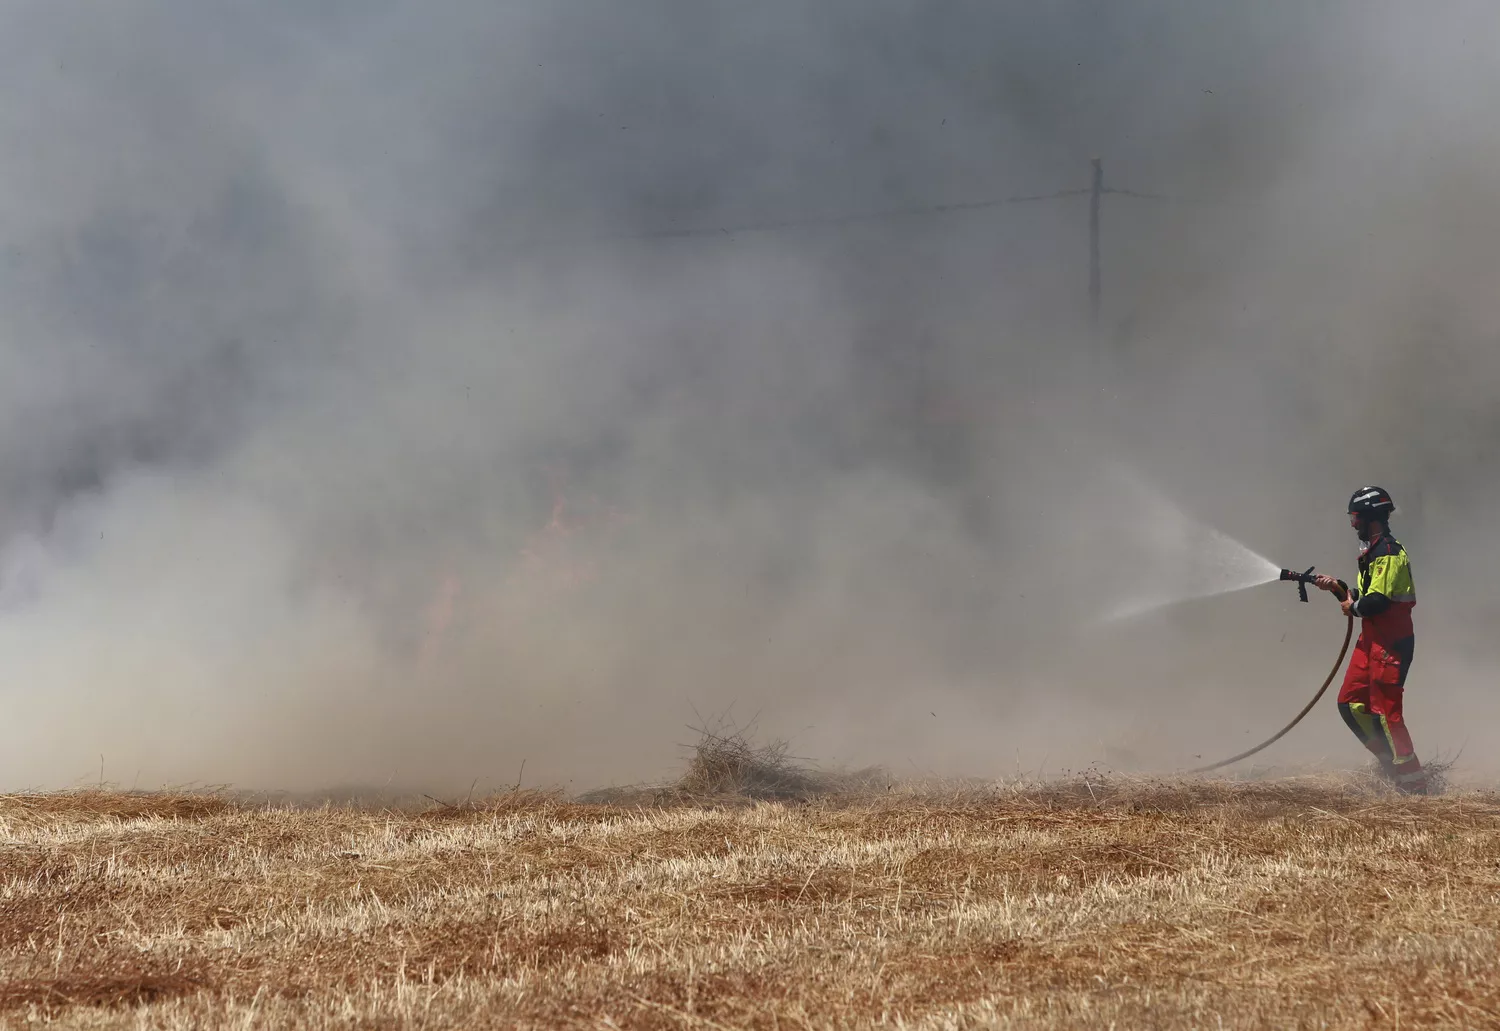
(1372, 503)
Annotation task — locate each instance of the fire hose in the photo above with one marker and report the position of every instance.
(1302, 580)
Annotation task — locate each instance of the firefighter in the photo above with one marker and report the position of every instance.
(1370, 700)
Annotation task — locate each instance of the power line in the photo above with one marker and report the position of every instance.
(1137, 194)
(826, 221)
(835, 221)
(1096, 192)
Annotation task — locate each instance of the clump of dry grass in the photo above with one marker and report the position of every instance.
(1440, 772)
(726, 765)
(731, 764)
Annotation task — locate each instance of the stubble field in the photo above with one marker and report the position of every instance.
(1314, 902)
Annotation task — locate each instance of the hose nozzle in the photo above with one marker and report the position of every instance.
(1300, 579)
(1306, 577)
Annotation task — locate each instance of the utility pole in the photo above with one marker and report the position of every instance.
(1096, 194)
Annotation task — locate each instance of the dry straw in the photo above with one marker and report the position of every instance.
(1091, 901)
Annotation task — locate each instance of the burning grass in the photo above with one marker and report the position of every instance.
(1094, 902)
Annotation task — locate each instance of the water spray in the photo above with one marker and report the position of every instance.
(1198, 561)
(1340, 592)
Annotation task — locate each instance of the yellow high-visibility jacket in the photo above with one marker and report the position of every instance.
(1386, 591)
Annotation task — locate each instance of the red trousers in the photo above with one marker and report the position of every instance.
(1370, 703)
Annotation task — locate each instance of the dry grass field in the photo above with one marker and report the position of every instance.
(1315, 902)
